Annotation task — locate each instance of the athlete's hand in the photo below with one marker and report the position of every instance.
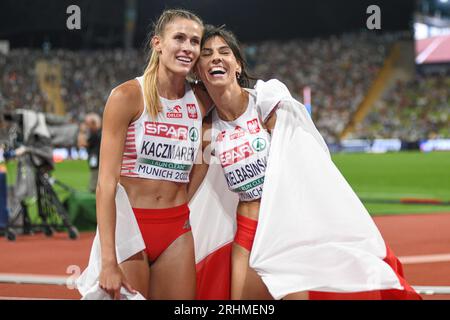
(112, 279)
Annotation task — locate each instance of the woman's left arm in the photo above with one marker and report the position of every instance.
(270, 122)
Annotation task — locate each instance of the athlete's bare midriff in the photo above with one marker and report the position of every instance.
(154, 194)
(249, 209)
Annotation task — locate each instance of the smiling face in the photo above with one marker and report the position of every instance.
(217, 65)
(179, 46)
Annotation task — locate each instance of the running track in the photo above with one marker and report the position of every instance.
(422, 242)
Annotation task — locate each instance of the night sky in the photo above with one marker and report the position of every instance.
(30, 22)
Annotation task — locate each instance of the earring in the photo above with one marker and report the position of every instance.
(196, 78)
(238, 75)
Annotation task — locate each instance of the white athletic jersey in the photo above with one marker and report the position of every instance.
(242, 147)
(164, 149)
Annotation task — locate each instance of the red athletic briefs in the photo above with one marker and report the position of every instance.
(246, 230)
(161, 227)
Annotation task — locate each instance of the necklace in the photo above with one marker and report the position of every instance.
(229, 118)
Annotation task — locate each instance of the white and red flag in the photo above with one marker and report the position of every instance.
(313, 234)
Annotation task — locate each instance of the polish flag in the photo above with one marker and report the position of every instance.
(314, 234)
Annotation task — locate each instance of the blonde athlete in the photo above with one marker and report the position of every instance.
(150, 139)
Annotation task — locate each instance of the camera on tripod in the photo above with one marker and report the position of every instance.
(30, 140)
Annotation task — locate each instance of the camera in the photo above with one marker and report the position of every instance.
(30, 140)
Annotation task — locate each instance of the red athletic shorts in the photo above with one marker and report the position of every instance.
(161, 227)
(246, 230)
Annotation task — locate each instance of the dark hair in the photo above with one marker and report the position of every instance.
(231, 40)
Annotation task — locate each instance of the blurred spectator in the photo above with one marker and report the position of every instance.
(90, 138)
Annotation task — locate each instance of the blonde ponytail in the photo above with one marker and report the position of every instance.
(151, 96)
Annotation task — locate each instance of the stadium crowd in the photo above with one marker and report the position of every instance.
(410, 111)
(338, 69)
(19, 86)
(87, 77)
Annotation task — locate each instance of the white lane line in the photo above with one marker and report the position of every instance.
(25, 298)
(429, 290)
(430, 258)
(36, 279)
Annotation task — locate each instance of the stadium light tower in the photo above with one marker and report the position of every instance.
(130, 23)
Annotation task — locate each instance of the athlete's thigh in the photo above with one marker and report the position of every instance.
(239, 266)
(254, 287)
(302, 295)
(137, 272)
(173, 274)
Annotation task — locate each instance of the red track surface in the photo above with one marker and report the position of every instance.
(409, 235)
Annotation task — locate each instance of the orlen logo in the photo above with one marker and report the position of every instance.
(221, 136)
(166, 130)
(235, 155)
(192, 111)
(238, 132)
(175, 112)
(253, 126)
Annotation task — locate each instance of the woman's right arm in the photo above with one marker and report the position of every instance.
(123, 105)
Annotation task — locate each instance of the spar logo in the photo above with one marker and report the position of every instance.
(166, 130)
(237, 133)
(235, 155)
(253, 126)
(192, 111)
(174, 112)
